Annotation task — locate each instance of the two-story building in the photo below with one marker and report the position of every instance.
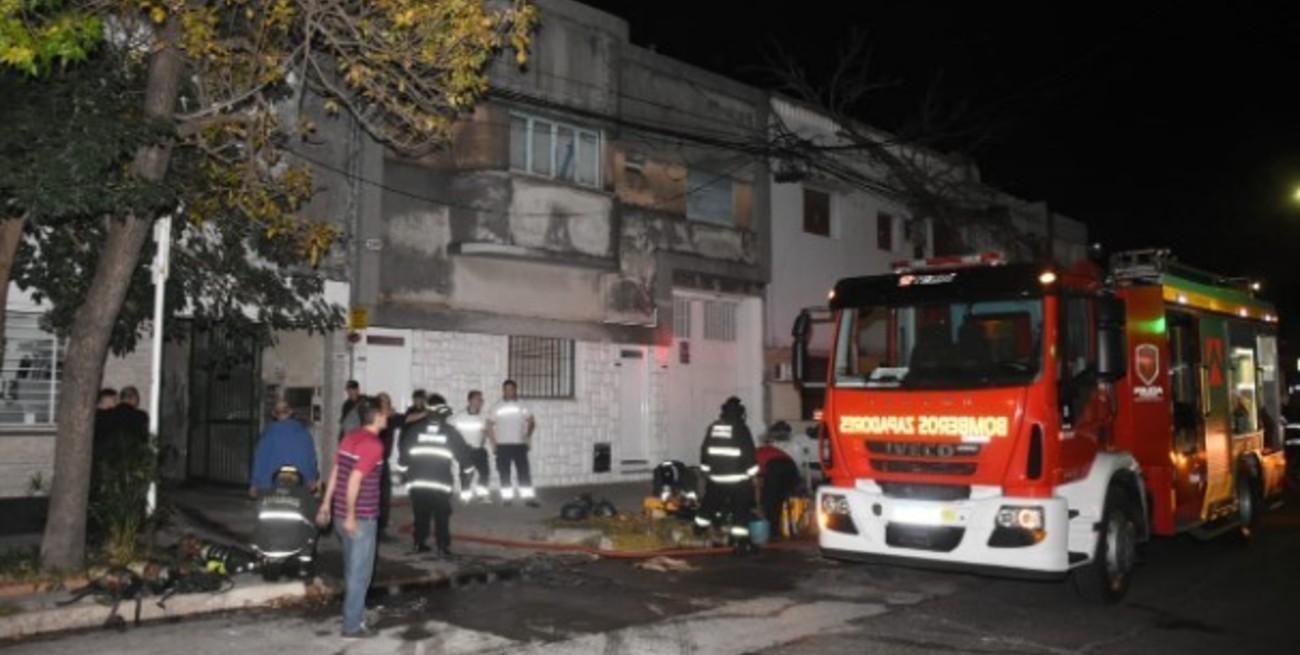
(596, 232)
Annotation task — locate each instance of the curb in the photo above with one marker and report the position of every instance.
(92, 615)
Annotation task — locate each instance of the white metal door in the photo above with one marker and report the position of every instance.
(385, 363)
(386, 357)
(704, 369)
(631, 450)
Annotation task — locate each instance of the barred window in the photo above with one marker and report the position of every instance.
(682, 318)
(720, 320)
(30, 372)
(542, 367)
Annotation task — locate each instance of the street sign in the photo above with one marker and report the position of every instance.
(358, 318)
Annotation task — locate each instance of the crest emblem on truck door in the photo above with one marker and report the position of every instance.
(1146, 360)
(1146, 364)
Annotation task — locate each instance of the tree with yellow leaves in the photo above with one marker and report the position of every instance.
(226, 82)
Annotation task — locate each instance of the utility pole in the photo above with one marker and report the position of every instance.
(162, 235)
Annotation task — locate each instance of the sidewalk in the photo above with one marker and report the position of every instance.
(226, 515)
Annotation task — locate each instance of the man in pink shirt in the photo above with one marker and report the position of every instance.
(353, 493)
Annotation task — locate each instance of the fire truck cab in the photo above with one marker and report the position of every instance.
(1038, 421)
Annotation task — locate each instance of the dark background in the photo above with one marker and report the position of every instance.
(1158, 124)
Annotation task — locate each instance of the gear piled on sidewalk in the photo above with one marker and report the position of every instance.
(197, 566)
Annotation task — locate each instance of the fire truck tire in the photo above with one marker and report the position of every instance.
(1249, 501)
(1106, 578)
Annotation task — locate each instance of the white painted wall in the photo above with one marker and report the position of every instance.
(806, 266)
(453, 363)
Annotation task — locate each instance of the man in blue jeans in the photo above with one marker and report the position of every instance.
(353, 490)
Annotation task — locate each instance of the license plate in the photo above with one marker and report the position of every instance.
(924, 515)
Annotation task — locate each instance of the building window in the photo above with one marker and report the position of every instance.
(885, 231)
(719, 320)
(30, 372)
(710, 198)
(918, 236)
(556, 150)
(816, 212)
(542, 367)
(682, 318)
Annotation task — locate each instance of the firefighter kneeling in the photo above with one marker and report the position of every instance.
(428, 447)
(729, 466)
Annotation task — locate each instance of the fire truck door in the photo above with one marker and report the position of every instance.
(1215, 406)
(1186, 378)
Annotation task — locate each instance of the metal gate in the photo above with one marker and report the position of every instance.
(225, 406)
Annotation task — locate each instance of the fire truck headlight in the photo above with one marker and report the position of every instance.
(1017, 527)
(834, 514)
(835, 504)
(1025, 518)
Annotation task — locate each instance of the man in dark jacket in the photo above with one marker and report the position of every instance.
(285, 442)
(427, 448)
(728, 462)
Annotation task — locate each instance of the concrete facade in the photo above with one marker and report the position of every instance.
(463, 249)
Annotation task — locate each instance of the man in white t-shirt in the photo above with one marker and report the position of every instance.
(510, 432)
(473, 426)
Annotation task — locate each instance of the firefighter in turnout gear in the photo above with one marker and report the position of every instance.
(428, 448)
(729, 465)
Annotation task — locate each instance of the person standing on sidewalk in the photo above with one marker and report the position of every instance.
(510, 431)
(284, 442)
(472, 426)
(426, 453)
(353, 495)
(388, 437)
(350, 418)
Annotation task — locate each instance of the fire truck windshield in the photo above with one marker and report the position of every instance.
(938, 345)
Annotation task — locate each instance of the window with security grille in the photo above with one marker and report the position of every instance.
(720, 320)
(682, 318)
(31, 371)
(542, 366)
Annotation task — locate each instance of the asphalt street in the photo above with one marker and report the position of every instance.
(1188, 597)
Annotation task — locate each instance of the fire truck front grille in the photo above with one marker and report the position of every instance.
(938, 539)
(922, 467)
(912, 491)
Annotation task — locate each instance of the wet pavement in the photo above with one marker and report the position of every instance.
(1188, 597)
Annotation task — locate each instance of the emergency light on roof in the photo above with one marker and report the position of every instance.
(990, 258)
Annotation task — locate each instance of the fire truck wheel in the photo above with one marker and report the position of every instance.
(1106, 578)
(1249, 502)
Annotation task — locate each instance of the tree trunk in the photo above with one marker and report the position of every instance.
(11, 234)
(64, 543)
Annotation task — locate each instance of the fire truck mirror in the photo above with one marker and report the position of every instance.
(1112, 353)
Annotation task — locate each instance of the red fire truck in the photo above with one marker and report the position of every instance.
(1035, 421)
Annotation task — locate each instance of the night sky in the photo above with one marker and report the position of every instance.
(1157, 124)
